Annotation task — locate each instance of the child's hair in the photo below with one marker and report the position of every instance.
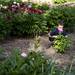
(61, 23)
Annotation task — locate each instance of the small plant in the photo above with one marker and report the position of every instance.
(61, 43)
(36, 45)
(37, 42)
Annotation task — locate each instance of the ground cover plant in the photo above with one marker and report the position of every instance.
(62, 43)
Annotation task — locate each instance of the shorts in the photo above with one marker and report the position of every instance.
(51, 39)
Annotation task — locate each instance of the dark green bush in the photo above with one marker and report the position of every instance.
(5, 26)
(30, 24)
(21, 24)
(61, 13)
(43, 7)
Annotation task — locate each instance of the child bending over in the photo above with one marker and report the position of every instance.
(57, 31)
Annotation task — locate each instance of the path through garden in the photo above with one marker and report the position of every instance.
(23, 44)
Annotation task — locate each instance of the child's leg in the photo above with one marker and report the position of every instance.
(51, 39)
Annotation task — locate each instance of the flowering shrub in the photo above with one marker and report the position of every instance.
(15, 7)
(22, 20)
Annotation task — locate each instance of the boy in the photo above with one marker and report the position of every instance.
(57, 31)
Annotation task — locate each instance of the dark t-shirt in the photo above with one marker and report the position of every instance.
(57, 32)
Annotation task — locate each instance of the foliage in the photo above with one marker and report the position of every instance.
(25, 23)
(37, 42)
(2, 56)
(43, 7)
(62, 1)
(70, 0)
(61, 13)
(61, 43)
(21, 24)
(59, 1)
(30, 24)
(35, 63)
(5, 2)
(5, 26)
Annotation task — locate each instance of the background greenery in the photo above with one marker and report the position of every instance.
(62, 1)
(54, 15)
(27, 24)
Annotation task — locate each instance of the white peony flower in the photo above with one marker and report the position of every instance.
(29, 6)
(1, 5)
(5, 7)
(14, 2)
(18, 4)
(32, 58)
(23, 54)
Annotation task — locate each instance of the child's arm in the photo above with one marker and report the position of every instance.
(65, 34)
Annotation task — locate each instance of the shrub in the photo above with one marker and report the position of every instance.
(30, 24)
(61, 13)
(61, 43)
(43, 7)
(5, 26)
(21, 24)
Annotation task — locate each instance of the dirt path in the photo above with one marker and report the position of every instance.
(24, 44)
(61, 59)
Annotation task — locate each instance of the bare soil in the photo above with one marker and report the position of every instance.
(23, 44)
